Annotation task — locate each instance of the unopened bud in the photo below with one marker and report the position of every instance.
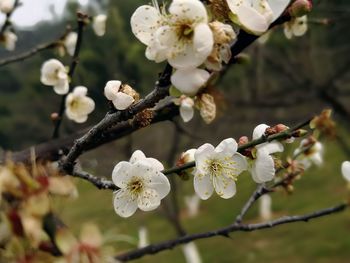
(243, 140)
(299, 133)
(54, 116)
(300, 8)
(130, 91)
(281, 128)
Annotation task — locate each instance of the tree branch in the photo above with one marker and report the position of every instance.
(155, 248)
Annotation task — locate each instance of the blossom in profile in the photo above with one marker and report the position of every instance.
(189, 81)
(217, 169)
(186, 105)
(78, 105)
(70, 42)
(256, 16)
(310, 152)
(141, 183)
(296, 27)
(263, 166)
(6, 6)
(114, 92)
(9, 40)
(182, 36)
(99, 24)
(53, 73)
(345, 169)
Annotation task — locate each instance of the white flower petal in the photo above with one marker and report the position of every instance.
(227, 146)
(299, 26)
(186, 112)
(203, 41)
(203, 186)
(240, 163)
(122, 101)
(80, 91)
(148, 200)
(192, 10)
(112, 88)
(61, 88)
(234, 5)
(251, 20)
(263, 169)
(270, 147)
(121, 174)
(224, 187)
(278, 7)
(137, 156)
(201, 155)
(345, 169)
(160, 183)
(259, 131)
(124, 204)
(144, 23)
(189, 81)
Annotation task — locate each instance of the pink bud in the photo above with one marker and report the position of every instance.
(243, 140)
(300, 8)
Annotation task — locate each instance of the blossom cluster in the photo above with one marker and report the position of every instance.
(143, 184)
(195, 39)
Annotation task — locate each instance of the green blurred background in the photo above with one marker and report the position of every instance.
(285, 81)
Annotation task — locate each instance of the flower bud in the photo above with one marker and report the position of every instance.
(300, 8)
(243, 140)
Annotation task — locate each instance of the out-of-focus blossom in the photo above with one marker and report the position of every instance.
(296, 27)
(6, 6)
(265, 207)
(99, 24)
(345, 169)
(79, 105)
(70, 42)
(191, 253)
(53, 73)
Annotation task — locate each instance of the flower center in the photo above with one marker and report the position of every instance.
(135, 186)
(222, 167)
(185, 31)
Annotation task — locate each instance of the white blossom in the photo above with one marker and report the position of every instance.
(265, 207)
(217, 169)
(191, 253)
(345, 169)
(6, 6)
(296, 27)
(53, 73)
(313, 155)
(120, 100)
(99, 24)
(141, 183)
(186, 107)
(70, 42)
(78, 105)
(255, 16)
(189, 81)
(9, 40)
(183, 36)
(263, 166)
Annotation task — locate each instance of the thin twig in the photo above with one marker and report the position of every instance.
(75, 60)
(278, 136)
(155, 248)
(100, 183)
